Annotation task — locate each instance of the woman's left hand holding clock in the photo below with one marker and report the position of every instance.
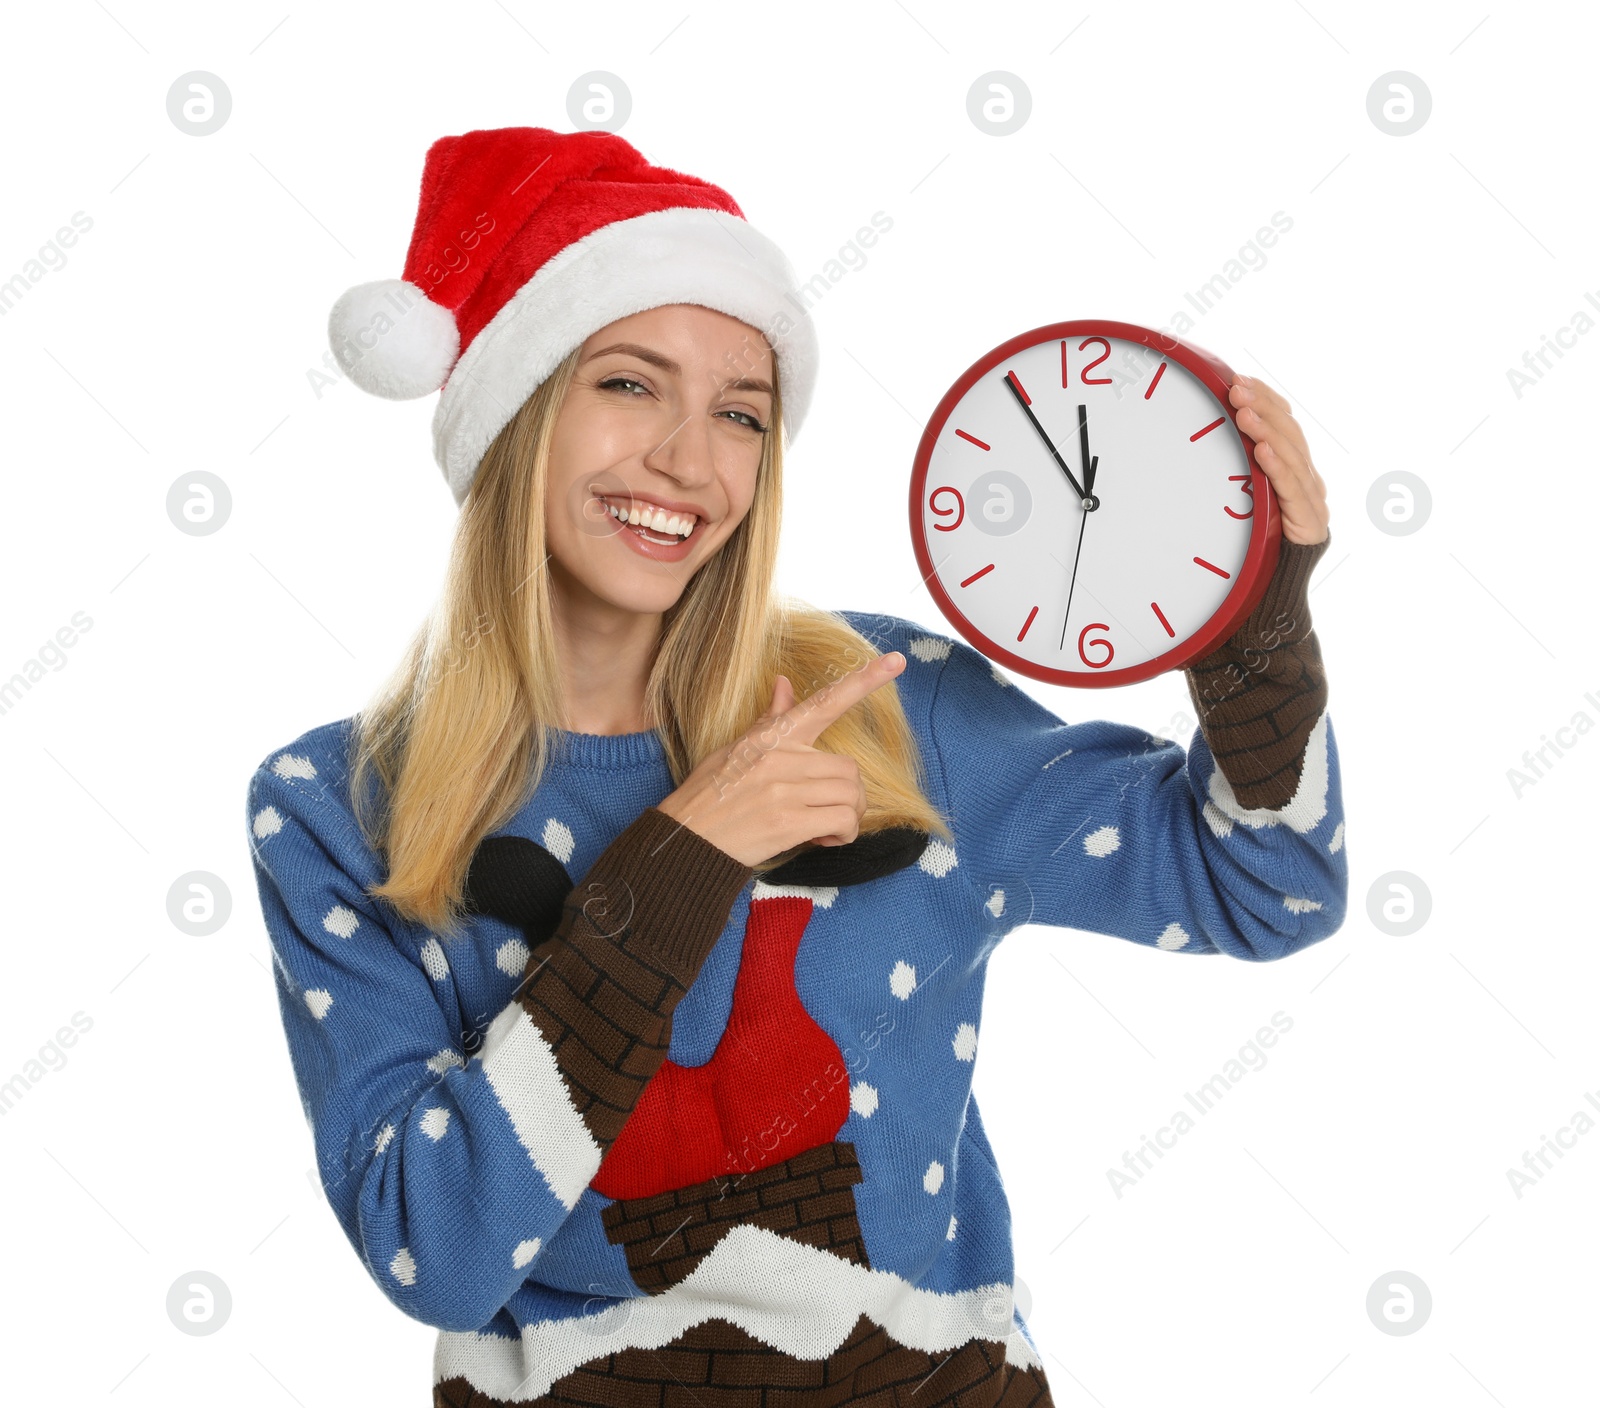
(1284, 457)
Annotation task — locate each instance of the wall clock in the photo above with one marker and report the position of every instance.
(1084, 508)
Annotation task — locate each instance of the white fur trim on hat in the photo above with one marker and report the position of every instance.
(680, 255)
(392, 340)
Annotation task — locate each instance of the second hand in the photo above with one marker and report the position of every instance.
(1083, 522)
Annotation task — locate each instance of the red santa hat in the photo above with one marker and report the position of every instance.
(526, 242)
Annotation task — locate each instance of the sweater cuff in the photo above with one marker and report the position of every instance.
(1260, 693)
(671, 887)
(1284, 612)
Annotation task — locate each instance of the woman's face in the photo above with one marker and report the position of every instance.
(667, 412)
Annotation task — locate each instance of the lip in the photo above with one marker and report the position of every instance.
(661, 552)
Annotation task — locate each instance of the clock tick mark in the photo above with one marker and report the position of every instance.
(1027, 623)
(1212, 567)
(1154, 380)
(1165, 626)
(1208, 429)
(973, 438)
(1027, 400)
(974, 577)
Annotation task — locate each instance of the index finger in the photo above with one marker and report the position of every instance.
(806, 719)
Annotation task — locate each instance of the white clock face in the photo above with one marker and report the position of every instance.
(1082, 590)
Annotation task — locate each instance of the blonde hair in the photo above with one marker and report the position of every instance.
(457, 734)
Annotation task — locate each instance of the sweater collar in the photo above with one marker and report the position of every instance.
(606, 750)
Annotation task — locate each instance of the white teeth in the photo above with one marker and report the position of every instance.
(659, 522)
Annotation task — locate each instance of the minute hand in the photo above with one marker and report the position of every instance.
(1027, 410)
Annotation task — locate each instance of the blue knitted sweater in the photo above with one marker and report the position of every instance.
(458, 1138)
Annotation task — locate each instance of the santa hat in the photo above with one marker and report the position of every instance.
(526, 242)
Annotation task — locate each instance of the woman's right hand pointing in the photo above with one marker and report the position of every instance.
(771, 790)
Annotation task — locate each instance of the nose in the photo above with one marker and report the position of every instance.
(686, 453)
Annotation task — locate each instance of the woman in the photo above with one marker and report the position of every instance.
(631, 946)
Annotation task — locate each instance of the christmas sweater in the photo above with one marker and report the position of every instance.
(658, 1131)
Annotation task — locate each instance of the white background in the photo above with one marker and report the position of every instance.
(178, 338)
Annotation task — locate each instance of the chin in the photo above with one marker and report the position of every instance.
(645, 590)
(646, 600)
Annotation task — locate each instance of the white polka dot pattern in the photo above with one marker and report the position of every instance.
(1102, 842)
(1172, 937)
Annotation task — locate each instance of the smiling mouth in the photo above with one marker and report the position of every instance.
(654, 526)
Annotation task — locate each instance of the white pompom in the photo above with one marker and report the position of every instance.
(392, 339)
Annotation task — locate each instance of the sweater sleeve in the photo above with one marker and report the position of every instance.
(1104, 827)
(447, 1174)
(1260, 693)
(600, 992)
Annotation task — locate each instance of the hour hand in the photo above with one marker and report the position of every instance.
(1027, 410)
(1089, 465)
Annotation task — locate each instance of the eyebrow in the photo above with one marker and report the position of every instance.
(672, 368)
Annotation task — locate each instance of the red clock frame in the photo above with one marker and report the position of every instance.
(1261, 556)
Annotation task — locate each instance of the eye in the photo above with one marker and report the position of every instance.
(749, 420)
(621, 381)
